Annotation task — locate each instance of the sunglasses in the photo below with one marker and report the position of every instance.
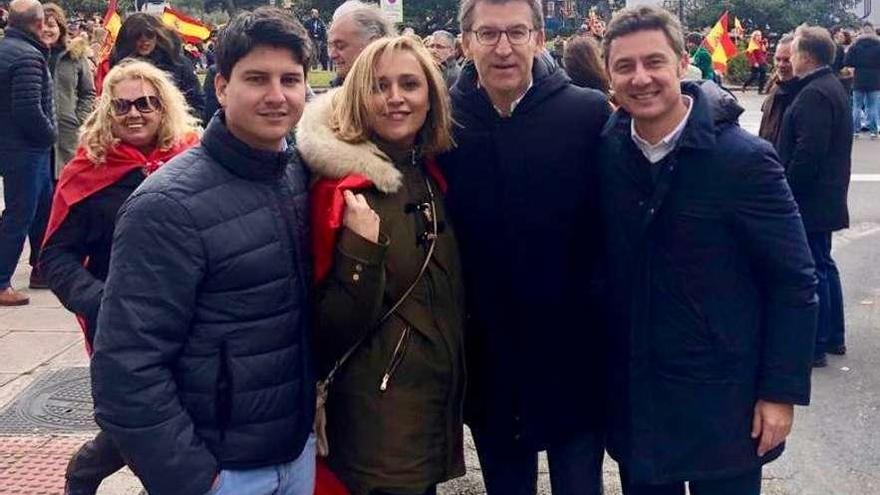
(144, 104)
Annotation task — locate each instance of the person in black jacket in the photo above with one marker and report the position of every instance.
(712, 287)
(815, 146)
(318, 34)
(522, 197)
(144, 36)
(864, 57)
(202, 372)
(27, 133)
(146, 113)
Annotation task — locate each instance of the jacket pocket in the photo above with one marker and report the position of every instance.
(396, 358)
(223, 401)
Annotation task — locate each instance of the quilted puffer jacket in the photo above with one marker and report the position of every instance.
(202, 357)
(26, 108)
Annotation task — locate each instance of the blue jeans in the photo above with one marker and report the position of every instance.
(575, 465)
(830, 328)
(870, 101)
(27, 192)
(293, 478)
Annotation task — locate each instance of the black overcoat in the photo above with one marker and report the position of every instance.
(713, 297)
(815, 147)
(522, 196)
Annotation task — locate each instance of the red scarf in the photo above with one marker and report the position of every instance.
(81, 177)
(328, 205)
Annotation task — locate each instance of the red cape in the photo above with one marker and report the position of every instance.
(328, 205)
(81, 178)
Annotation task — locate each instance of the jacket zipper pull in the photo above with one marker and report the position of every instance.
(384, 385)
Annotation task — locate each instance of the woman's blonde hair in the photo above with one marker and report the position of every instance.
(352, 104)
(177, 122)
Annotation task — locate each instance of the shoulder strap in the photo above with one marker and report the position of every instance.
(394, 307)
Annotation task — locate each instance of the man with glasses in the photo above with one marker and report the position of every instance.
(27, 133)
(522, 196)
(441, 44)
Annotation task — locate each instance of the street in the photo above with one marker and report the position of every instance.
(833, 450)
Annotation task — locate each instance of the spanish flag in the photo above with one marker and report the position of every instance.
(190, 30)
(112, 23)
(738, 30)
(720, 45)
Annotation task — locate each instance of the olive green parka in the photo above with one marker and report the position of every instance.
(394, 412)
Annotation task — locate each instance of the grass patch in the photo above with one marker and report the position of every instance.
(320, 78)
(317, 78)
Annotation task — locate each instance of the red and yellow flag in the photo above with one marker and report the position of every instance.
(738, 30)
(112, 23)
(190, 30)
(720, 45)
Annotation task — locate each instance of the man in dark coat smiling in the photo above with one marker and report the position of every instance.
(522, 195)
(713, 288)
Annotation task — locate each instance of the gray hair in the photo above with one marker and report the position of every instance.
(786, 39)
(370, 20)
(23, 13)
(816, 42)
(446, 35)
(466, 12)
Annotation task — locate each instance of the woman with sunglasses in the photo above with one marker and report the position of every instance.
(141, 121)
(389, 281)
(144, 37)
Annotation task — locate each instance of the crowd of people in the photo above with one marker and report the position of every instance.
(572, 251)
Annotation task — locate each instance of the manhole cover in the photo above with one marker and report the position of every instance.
(58, 401)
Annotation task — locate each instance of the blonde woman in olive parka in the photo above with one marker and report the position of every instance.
(394, 411)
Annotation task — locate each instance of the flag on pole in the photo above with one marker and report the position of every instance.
(190, 30)
(720, 45)
(738, 30)
(112, 23)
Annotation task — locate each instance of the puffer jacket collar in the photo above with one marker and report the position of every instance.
(28, 38)
(238, 157)
(328, 156)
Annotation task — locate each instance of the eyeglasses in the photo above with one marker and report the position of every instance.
(144, 104)
(519, 35)
(437, 46)
(148, 35)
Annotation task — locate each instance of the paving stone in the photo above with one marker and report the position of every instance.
(40, 319)
(36, 469)
(7, 377)
(73, 356)
(21, 352)
(43, 298)
(10, 390)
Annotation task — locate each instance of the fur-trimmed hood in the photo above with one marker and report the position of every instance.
(77, 48)
(328, 156)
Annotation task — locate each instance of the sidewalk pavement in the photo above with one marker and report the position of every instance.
(35, 339)
(43, 336)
